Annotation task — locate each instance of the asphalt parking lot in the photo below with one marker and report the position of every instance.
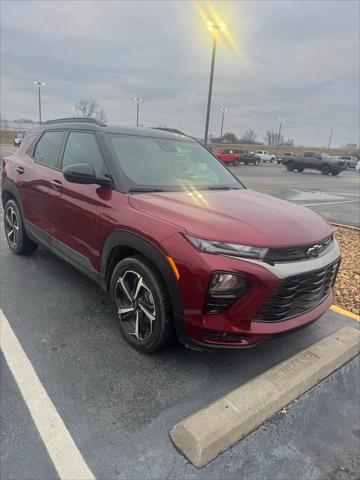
(119, 405)
(337, 199)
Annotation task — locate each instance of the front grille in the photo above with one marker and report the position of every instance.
(292, 254)
(297, 295)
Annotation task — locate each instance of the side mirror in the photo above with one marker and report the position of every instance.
(84, 173)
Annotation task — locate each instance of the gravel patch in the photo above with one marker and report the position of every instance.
(347, 285)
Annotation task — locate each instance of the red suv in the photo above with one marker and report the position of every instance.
(227, 156)
(173, 236)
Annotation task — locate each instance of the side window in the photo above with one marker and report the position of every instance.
(82, 147)
(48, 148)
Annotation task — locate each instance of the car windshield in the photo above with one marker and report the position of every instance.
(160, 164)
(325, 155)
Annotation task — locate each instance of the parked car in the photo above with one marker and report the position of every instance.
(285, 157)
(19, 138)
(247, 158)
(265, 156)
(227, 155)
(350, 161)
(316, 161)
(179, 249)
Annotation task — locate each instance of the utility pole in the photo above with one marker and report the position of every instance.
(138, 100)
(39, 84)
(223, 109)
(281, 119)
(331, 134)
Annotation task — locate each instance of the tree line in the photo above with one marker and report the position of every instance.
(250, 137)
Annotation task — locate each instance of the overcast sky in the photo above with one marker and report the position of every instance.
(294, 59)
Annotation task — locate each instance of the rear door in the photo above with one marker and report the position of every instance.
(39, 197)
(78, 224)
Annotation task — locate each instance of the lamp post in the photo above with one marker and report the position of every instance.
(331, 134)
(215, 28)
(39, 84)
(223, 109)
(138, 100)
(281, 119)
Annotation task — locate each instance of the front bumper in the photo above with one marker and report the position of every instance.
(236, 326)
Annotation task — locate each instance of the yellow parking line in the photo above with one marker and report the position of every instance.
(342, 311)
(58, 441)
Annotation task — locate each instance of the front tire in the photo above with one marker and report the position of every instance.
(325, 170)
(16, 237)
(290, 166)
(141, 304)
(236, 162)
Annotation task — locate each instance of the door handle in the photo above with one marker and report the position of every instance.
(20, 170)
(56, 184)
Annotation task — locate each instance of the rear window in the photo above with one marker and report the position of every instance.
(48, 148)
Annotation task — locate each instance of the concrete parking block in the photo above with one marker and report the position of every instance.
(212, 430)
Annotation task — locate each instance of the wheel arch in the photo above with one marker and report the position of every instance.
(9, 191)
(123, 243)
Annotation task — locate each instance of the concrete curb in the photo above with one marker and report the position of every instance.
(208, 432)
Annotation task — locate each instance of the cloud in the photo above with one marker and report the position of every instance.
(298, 60)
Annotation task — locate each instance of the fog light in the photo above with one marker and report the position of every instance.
(225, 282)
(224, 289)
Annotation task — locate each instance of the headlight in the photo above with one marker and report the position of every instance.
(233, 249)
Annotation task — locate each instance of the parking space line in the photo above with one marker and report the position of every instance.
(342, 311)
(60, 445)
(327, 203)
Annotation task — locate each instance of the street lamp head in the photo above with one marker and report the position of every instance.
(223, 109)
(39, 83)
(137, 99)
(216, 26)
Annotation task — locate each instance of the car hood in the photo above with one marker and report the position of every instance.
(237, 216)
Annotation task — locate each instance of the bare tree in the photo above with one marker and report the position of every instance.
(90, 108)
(272, 138)
(249, 137)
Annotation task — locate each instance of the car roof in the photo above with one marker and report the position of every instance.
(93, 124)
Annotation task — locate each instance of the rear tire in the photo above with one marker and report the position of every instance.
(16, 237)
(335, 173)
(236, 162)
(290, 166)
(138, 290)
(325, 170)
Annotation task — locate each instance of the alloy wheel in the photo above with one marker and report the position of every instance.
(136, 306)
(12, 226)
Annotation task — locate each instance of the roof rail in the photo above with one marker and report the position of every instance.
(75, 120)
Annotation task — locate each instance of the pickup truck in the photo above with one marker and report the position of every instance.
(248, 158)
(285, 157)
(265, 156)
(227, 156)
(315, 161)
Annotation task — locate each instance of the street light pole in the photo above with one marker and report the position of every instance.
(223, 109)
(278, 138)
(137, 100)
(331, 134)
(216, 28)
(39, 84)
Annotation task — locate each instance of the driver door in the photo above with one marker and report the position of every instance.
(77, 228)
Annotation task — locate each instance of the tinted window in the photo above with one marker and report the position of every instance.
(48, 148)
(82, 147)
(308, 154)
(169, 164)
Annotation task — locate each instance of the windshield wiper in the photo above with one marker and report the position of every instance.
(144, 190)
(221, 187)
